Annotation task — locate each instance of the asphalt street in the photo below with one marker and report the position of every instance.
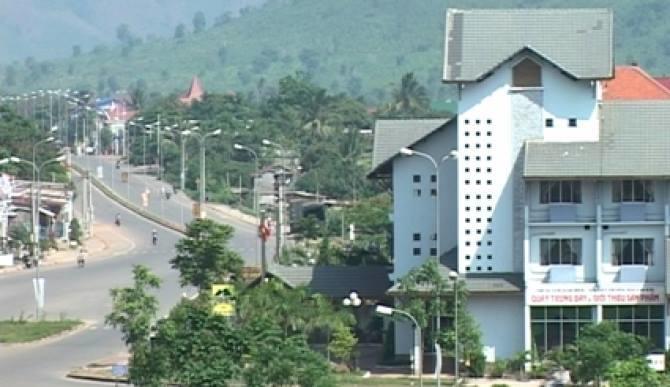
(84, 294)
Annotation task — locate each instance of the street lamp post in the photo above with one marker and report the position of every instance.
(280, 206)
(201, 139)
(255, 205)
(454, 277)
(452, 155)
(418, 364)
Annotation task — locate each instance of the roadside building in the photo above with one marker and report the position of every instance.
(556, 209)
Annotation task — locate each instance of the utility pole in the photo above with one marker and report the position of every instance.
(279, 237)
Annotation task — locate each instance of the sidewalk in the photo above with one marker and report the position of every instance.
(106, 240)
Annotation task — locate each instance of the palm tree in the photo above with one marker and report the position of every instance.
(411, 98)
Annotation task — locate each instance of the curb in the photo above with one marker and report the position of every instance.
(128, 205)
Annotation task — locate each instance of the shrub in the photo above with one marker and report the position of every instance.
(498, 368)
(477, 365)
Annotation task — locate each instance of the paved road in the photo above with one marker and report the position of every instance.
(84, 294)
(176, 210)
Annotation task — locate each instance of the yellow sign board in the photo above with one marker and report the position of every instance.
(224, 299)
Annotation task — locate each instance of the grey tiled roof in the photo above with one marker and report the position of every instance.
(370, 282)
(634, 141)
(391, 135)
(579, 41)
(478, 283)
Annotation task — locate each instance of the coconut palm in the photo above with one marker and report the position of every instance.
(410, 98)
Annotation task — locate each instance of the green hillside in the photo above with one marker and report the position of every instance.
(360, 47)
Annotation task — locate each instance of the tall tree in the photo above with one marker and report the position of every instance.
(203, 256)
(179, 31)
(410, 99)
(199, 22)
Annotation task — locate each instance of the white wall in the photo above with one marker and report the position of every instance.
(500, 319)
(489, 107)
(416, 214)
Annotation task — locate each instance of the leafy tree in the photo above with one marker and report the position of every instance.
(343, 343)
(203, 256)
(199, 22)
(410, 99)
(635, 373)
(423, 305)
(133, 309)
(123, 34)
(180, 31)
(75, 231)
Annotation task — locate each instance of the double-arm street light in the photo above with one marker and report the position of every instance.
(280, 206)
(201, 139)
(255, 155)
(452, 155)
(37, 169)
(418, 364)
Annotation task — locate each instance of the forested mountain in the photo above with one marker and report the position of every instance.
(359, 47)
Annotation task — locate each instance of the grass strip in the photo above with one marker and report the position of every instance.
(22, 331)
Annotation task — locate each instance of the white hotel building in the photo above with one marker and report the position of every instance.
(556, 211)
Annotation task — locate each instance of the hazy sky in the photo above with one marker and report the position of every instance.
(49, 28)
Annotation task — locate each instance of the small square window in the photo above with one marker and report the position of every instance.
(416, 251)
(488, 170)
(549, 122)
(489, 220)
(433, 237)
(489, 231)
(489, 197)
(467, 243)
(467, 158)
(467, 182)
(572, 122)
(467, 197)
(490, 268)
(479, 208)
(477, 146)
(479, 182)
(416, 178)
(489, 133)
(489, 182)
(467, 232)
(477, 158)
(479, 257)
(489, 121)
(488, 146)
(416, 236)
(479, 220)
(488, 158)
(467, 170)
(489, 208)
(467, 220)
(489, 243)
(478, 134)
(489, 257)
(417, 192)
(479, 196)
(433, 251)
(433, 178)
(467, 208)
(433, 192)
(467, 146)
(467, 133)
(479, 243)
(477, 121)
(467, 257)
(467, 268)
(479, 232)
(478, 170)
(467, 122)
(479, 268)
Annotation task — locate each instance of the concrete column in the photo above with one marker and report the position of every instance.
(599, 243)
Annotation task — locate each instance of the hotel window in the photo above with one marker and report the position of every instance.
(633, 191)
(641, 320)
(557, 326)
(416, 178)
(560, 252)
(566, 191)
(631, 251)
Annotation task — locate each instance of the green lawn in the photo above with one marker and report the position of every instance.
(25, 331)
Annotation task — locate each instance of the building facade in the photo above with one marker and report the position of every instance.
(556, 211)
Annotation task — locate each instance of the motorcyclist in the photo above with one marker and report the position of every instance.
(154, 237)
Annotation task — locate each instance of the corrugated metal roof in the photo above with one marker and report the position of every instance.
(391, 135)
(370, 282)
(477, 283)
(634, 141)
(479, 40)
